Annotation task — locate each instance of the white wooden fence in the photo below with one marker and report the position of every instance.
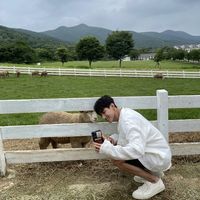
(105, 73)
(162, 102)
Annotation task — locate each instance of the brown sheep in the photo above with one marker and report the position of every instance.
(159, 76)
(35, 73)
(4, 74)
(64, 117)
(18, 73)
(44, 73)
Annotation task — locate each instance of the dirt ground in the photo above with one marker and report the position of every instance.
(94, 179)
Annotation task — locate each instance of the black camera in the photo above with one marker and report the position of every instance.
(97, 136)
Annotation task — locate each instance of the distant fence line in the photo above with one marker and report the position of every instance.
(104, 72)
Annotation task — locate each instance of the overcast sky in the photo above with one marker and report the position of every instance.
(134, 15)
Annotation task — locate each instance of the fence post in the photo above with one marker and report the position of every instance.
(59, 72)
(135, 73)
(14, 69)
(29, 70)
(162, 112)
(183, 74)
(2, 157)
(151, 74)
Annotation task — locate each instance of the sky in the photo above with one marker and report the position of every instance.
(132, 15)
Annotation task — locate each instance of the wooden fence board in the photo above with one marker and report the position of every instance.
(67, 130)
(71, 104)
(184, 101)
(49, 155)
(179, 149)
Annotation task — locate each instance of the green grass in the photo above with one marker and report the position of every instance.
(27, 87)
(143, 65)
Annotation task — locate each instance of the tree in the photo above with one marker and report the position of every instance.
(62, 54)
(45, 54)
(119, 44)
(21, 52)
(134, 54)
(5, 54)
(180, 54)
(194, 55)
(89, 48)
(158, 57)
(72, 53)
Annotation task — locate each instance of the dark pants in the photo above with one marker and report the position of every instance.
(136, 163)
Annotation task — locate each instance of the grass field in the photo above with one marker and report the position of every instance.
(98, 179)
(27, 87)
(145, 65)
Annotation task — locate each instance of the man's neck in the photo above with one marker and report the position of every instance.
(117, 114)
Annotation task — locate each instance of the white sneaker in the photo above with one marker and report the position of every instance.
(148, 190)
(139, 179)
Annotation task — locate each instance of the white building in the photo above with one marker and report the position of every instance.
(126, 58)
(188, 47)
(146, 56)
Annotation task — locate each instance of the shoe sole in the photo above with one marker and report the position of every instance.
(148, 197)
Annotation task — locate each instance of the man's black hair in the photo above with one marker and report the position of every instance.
(103, 102)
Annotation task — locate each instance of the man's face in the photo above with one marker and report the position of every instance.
(109, 113)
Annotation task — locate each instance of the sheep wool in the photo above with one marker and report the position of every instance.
(65, 117)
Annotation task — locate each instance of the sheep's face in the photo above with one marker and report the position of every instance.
(93, 116)
(90, 116)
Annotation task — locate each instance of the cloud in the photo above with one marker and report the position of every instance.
(137, 15)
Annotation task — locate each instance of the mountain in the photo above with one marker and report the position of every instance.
(63, 36)
(34, 39)
(73, 34)
(174, 37)
(142, 40)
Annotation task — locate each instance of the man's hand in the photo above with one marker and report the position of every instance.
(97, 146)
(111, 140)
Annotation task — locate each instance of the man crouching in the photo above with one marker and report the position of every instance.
(139, 148)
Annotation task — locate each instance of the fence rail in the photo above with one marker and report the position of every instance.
(161, 102)
(104, 72)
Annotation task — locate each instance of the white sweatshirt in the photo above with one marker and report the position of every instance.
(138, 139)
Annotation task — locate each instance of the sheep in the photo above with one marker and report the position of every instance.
(159, 76)
(35, 73)
(4, 74)
(44, 73)
(18, 73)
(7, 73)
(64, 117)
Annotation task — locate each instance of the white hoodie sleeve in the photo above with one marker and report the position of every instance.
(132, 150)
(115, 137)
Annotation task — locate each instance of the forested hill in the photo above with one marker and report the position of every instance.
(33, 39)
(63, 36)
(141, 40)
(75, 33)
